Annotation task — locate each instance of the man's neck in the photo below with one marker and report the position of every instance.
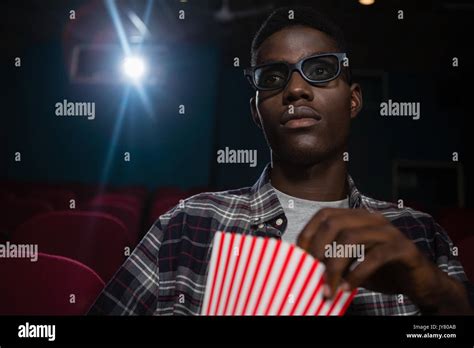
(324, 181)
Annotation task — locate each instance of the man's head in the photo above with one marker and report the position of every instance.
(304, 123)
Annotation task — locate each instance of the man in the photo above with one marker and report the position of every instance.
(304, 103)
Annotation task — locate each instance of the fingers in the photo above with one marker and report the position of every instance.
(323, 228)
(354, 242)
(356, 228)
(374, 260)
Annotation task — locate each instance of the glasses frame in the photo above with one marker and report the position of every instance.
(250, 72)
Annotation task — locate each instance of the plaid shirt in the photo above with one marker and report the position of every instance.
(166, 273)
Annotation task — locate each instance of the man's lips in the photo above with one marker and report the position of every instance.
(301, 116)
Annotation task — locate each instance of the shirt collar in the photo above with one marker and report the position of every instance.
(265, 205)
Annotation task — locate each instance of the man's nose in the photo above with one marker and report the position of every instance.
(297, 88)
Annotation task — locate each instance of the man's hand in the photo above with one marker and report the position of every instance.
(392, 262)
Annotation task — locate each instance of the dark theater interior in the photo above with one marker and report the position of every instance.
(116, 111)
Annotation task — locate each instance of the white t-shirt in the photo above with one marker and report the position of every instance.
(299, 211)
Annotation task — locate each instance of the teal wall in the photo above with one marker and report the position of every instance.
(166, 148)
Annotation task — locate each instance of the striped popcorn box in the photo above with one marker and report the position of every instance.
(250, 275)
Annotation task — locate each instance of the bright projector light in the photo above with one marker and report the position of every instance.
(133, 67)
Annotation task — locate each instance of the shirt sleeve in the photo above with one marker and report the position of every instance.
(133, 290)
(447, 261)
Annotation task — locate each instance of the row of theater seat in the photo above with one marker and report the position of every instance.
(19, 205)
(130, 205)
(98, 240)
(93, 240)
(53, 285)
(83, 236)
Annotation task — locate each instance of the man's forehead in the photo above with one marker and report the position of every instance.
(294, 43)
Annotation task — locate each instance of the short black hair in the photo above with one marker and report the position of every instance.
(304, 16)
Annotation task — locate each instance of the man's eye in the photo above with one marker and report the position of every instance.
(318, 71)
(272, 79)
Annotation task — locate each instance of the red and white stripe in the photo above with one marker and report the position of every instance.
(263, 276)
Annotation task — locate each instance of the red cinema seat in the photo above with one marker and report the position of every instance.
(167, 191)
(122, 211)
(6, 195)
(466, 256)
(97, 240)
(137, 191)
(18, 188)
(84, 192)
(161, 206)
(14, 211)
(457, 222)
(53, 285)
(58, 198)
(130, 200)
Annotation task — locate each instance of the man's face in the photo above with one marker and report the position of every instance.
(304, 141)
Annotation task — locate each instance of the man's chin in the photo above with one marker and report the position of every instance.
(302, 157)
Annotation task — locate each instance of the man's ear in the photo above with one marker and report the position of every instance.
(356, 99)
(253, 110)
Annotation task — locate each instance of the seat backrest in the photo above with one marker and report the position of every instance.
(456, 221)
(58, 198)
(466, 256)
(52, 285)
(138, 191)
(167, 191)
(125, 213)
(118, 197)
(15, 211)
(161, 206)
(97, 240)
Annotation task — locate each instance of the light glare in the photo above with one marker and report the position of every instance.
(133, 67)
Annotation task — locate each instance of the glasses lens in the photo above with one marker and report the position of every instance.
(271, 76)
(321, 68)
